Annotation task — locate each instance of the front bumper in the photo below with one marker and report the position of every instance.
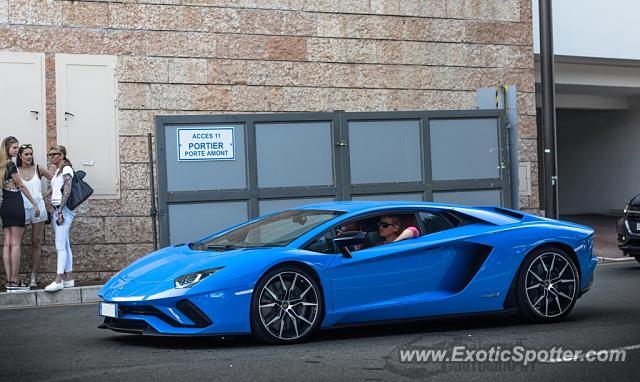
(185, 315)
(220, 312)
(629, 235)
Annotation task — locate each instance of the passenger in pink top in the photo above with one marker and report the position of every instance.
(391, 230)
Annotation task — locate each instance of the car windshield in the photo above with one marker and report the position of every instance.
(275, 230)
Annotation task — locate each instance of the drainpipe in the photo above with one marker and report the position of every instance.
(550, 148)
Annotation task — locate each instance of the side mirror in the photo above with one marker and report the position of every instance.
(347, 239)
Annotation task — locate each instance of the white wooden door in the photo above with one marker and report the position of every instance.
(22, 100)
(86, 99)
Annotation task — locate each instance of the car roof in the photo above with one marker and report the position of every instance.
(357, 206)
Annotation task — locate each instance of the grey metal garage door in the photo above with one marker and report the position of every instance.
(278, 161)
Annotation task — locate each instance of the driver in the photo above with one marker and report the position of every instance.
(391, 230)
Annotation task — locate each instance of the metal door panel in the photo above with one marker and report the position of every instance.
(22, 95)
(86, 118)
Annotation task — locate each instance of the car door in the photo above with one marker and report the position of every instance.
(388, 274)
(405, 279)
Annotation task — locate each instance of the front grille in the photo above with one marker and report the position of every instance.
(199, 319)
(634, 223)
(127, 326)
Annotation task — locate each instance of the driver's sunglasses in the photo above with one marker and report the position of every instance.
(385, 225)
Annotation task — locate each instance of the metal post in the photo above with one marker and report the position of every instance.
(550, 152)
(154, 211)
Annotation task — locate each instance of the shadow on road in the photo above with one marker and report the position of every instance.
(175, 342)
(337, 334)
(629, 269)
(418, 327)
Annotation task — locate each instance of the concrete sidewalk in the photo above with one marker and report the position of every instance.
(38, 297)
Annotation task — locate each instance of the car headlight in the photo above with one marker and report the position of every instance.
(626, 209)
(191, 279)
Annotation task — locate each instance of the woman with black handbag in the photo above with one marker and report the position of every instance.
(31, 175)
(62, 217)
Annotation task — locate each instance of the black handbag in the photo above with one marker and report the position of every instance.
(80, 190)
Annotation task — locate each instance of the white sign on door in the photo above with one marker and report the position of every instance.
(206, 144)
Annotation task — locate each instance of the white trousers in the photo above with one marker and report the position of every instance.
(63, 244)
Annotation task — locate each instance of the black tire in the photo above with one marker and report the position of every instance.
(287, 306)
(637, 257)
(547, 286)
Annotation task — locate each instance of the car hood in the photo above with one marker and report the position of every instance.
(170, 263)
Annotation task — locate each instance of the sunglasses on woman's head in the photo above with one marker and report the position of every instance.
(26, 146)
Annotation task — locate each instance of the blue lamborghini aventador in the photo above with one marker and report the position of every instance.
(283, 276)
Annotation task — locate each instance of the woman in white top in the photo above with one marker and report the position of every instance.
(12, 214)
(31, 175)
(62, 217)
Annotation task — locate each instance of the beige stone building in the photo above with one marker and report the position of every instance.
(258, 56)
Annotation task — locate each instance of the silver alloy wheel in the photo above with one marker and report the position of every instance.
(551, 284)
(288, 305)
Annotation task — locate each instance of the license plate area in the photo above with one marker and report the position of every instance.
(108, 310)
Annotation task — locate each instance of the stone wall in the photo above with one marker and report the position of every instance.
(251, 56)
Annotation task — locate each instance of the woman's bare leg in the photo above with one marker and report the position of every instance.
(36, 246)
(16, 250)
(6, 253)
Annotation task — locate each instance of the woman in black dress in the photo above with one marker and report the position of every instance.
(12, 213)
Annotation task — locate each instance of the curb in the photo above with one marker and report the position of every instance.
(604, 260)
(66, 296)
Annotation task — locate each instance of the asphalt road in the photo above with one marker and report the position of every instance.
(63, 344)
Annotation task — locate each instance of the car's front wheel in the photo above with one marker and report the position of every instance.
(547, 286)
(287, 306)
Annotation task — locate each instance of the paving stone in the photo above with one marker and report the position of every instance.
(64, 296)
(89, 294)
(17, 299)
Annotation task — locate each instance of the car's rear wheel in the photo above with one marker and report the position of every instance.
(547, 286)
(287, 306)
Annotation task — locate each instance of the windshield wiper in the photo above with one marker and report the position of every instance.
(267, 245)
(198, 246)
(222, 246)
